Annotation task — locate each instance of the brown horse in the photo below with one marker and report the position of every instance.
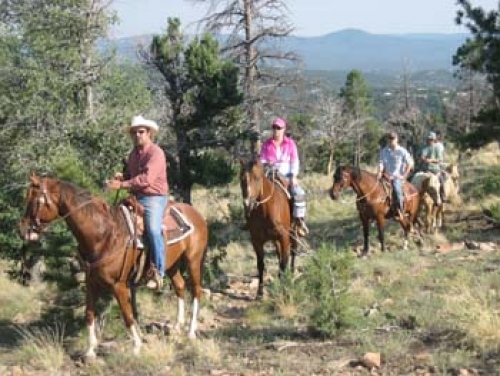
(267, 208)
(108, 251)
(373, 200)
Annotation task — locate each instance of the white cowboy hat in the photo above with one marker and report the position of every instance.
(140, 121)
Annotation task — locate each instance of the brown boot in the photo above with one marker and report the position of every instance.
(155, 281)
(301, 226)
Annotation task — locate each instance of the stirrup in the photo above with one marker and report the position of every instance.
(155, 281)
(302, 229)
(139, 243)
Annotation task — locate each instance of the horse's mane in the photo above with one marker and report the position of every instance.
(357, 173)
(82, 198)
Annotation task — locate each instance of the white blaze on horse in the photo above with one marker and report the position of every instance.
(433, 206)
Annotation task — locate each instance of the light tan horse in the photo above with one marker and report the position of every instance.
(433, 207)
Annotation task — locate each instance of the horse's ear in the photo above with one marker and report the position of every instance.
(34, 179)
(242, 162)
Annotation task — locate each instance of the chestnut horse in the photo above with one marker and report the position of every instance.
(373, 201)
(268, 214)
(106, 248)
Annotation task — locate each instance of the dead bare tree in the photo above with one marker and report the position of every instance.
(472, 94)
(251, 31)
(405, 115)
(332, 125)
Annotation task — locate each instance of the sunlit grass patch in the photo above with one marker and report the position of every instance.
(19, 303)
(258, 315)
(156, 354)
(42, 347)
(475, 309)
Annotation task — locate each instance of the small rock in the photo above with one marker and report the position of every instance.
(487, 247)
(254, 284)
(217, 372)
(371, 360)
(207, 293)
(16, 371)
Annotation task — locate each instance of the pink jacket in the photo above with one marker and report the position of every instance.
(285, 157)
(146, 171)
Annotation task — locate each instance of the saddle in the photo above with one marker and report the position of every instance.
(279, 180)
(175, 225)
(408, 191)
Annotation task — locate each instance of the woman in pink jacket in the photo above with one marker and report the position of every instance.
(280, 152)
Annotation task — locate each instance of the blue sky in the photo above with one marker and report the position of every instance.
(310, 17)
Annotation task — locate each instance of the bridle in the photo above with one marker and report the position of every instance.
(43, 199)
(254, 203)
(343, 185)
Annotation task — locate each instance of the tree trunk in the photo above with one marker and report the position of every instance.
(250, 84)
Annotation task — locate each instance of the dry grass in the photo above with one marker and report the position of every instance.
(42, 348)
(444, 305)
(18, 304)
(476, 311)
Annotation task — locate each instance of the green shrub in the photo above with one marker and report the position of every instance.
(326, 279)
(320, 295)
(490, 185)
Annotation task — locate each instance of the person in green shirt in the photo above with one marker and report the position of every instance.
(431, 160)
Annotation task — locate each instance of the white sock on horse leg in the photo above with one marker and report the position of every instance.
(92, 340)
(194, 320)
(180, 314)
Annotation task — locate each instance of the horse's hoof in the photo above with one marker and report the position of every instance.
(89, 357)
(136, 350)
(192, 336)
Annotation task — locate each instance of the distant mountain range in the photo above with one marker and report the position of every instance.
(354, 49)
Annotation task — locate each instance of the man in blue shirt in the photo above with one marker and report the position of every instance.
(396, 163)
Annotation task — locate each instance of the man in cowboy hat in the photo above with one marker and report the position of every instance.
(432, 160)
(145, 177)
(395, 163)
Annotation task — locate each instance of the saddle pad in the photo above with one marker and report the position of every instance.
(175, 225)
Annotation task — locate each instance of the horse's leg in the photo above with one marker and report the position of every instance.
(179, 288)
(195, 272)
(366, 233)
(90, 298)
(283, 251)
(380, 219)
(439, 216)
(293, 250)
(122, 294)
(259, 253)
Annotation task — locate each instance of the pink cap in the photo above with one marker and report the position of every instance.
(279, 122)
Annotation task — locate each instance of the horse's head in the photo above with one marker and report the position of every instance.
(251, 179)
(341, 179)
(454, 175)
(42, 207)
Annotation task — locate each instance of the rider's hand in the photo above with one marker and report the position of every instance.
(294, 181)
(113, 184)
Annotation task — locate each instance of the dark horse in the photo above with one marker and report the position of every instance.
(267, 208)
(373, 200)
(106, 249)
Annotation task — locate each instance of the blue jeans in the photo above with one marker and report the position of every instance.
(398, 191)
(154, 207)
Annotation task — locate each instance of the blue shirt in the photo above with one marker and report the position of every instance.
(394, 161)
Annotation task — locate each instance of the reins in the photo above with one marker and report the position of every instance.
(258, 203)
(88, 266)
